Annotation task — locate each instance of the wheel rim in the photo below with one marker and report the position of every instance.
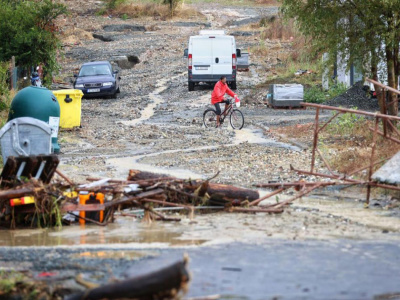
(210, 119)
(237, 119)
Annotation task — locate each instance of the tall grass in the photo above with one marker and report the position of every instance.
(146, 8)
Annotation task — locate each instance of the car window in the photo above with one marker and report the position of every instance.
(94, 70)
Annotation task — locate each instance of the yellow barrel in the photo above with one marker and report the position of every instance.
(70, 107)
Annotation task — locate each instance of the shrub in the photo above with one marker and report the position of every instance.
(314, 94)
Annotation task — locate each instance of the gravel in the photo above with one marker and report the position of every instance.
(356, 96)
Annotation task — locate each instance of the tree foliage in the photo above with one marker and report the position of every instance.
(366, 32)
(28, 32)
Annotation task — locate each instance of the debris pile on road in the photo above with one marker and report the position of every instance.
(356, 96)
(33, 202)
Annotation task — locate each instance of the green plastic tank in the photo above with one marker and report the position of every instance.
(38, 103)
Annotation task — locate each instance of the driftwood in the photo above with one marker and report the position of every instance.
(228, 191)
(162, 284)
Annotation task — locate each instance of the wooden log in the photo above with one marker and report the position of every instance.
(135, 175)
(17, 193)
(228, 191)
(162, 284)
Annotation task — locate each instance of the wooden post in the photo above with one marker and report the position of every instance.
(371, 167)
(316, 129)
(13, 81)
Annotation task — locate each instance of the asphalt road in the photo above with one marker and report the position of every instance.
(273, 270)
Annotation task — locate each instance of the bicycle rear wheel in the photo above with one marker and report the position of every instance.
(236, 119)
(210, 118)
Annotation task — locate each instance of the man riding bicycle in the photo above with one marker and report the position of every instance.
(217, 96)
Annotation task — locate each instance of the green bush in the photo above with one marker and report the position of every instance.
(345, 123)
(4, 90)
(28, 32)
(314, 94)
(336, 90)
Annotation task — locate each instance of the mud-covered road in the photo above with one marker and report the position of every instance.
(323, 247)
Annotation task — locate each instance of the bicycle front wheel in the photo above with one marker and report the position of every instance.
(236, 118)
(210, 118)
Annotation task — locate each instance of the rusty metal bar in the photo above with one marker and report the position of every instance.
(371, 166)
(364, 168)
(393, 127)
(59, 173)
(388, 137)
(315, 139)
(249, 210)
(325, 162)
(385, 186)
(301, 194)
(326, 176)
(346, 110)
(255, 202)
(330, 120)
(383, 86)
(301, 184)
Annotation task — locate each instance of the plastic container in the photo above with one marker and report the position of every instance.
(38, 103)
(91, 198)
(25, 137)
(22, 201)
(70, 106)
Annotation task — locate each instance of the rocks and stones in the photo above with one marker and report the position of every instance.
(126, 61)
(192, 24)
(104, 38)
(123, 27)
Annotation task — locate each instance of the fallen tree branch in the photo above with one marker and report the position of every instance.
(162, 284)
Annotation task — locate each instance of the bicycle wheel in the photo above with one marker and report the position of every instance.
(236, 118)
(210, 118)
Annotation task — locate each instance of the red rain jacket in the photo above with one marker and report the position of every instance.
(220, 89)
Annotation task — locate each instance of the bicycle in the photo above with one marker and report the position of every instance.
(236, 117)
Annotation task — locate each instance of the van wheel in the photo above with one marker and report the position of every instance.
(191, 86)
(233, 85)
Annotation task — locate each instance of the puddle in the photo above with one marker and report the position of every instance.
(256, 136)
(124, 231)
(122, 254)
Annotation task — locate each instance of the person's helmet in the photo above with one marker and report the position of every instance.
(35, 74)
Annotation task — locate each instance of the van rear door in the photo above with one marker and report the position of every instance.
(222, 55)
(202, 56)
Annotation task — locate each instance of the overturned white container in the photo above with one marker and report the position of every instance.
(25, 136)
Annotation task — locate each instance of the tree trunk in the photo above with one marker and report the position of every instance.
(227, 191)
(162, 284)
(393, 107)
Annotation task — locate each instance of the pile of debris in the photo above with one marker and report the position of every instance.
(44, 201)
(358, 96)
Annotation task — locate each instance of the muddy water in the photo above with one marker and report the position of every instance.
(125, 230)
(308, 219)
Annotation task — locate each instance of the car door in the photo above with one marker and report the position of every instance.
(222, 56)
(202, 56)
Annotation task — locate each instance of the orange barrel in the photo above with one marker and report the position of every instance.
(91, 198)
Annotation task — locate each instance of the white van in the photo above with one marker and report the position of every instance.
(210, 55)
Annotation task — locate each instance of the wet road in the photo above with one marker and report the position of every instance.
(275, 269)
